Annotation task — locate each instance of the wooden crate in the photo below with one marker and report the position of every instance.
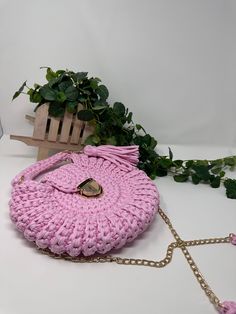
(50, 133)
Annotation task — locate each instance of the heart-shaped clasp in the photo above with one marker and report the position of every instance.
(89, 188)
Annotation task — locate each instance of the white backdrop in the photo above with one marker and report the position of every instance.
(172, 62)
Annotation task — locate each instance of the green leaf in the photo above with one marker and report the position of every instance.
(35, 97)
(202, 171)
(94, 83)
(19, 90)
(129, 117)
(139, 127)
(36, 86)
(79, 76)
(145, 140)
(202, 163)
(89, 140)
(181, 177)
(153, 142)
(64, 85)
(61, 97)
(230, 185)
(48, 93)
(71, 106)
(96, 139)
(195, 179)
(165, 163)
(189, 163)
(170, 153)
(177, 163)
(99, 107)
(50, 74)
(119, 108)
(53, 82)
(222, 174)
(102, 91)
(92, 140)
(56, 110)
(72, 93)
(85, 91)
(153, 176)
(217, 162)
(111, 140)
(229, 161)
(137, 140)
(161, 172)
(99, 104)
(216, 170)
(85, 115)
(82, 98)
(215, 181)
(60, 72)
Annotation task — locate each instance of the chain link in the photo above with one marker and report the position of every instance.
(183, 246)
(179, 243)
(119, 260)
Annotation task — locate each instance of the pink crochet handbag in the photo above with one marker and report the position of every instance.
(79, 206)
(97, 202)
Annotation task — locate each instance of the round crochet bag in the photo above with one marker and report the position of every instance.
(73, 205)
(97, 202)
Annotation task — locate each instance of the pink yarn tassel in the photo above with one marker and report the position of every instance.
(123, 156)
(233, 238)
(228, 307)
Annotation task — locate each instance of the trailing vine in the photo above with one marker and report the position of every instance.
(113, 124)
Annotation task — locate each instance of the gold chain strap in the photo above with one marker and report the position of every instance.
(179, 243)
(183, 246)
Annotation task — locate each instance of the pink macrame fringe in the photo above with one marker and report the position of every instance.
(124, 156)
(233, 238)
(228, 307)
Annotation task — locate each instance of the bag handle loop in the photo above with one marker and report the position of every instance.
(41, 166)
(125, 157)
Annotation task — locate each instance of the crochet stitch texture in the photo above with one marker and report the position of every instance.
(51, 212)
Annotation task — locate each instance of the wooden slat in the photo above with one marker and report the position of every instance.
(88, 130)
(53, 129)
(51, 145)
(77, 125)
(65, 131)
(42, 153)
(40, 123)
(30, 118)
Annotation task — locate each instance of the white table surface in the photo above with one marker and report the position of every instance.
(31, 283)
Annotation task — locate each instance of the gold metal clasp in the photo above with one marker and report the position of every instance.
(90, 188)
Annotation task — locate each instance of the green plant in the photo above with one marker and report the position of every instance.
(114, 125)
